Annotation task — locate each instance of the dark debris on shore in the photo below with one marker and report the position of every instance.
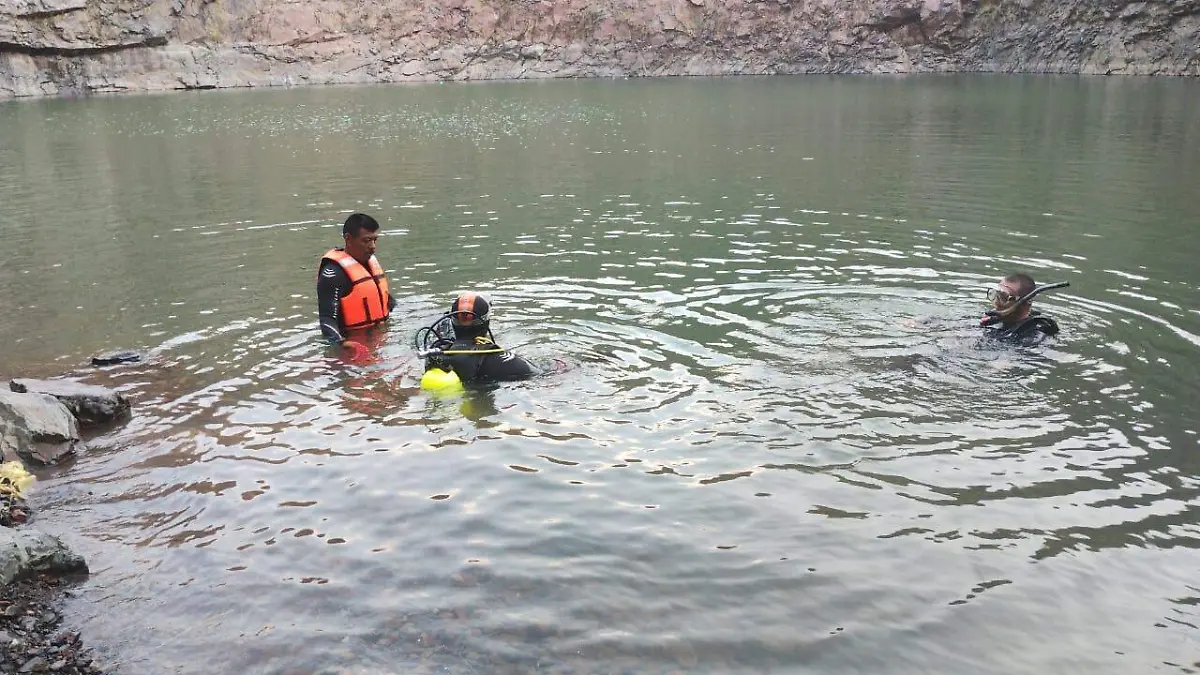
(30, 635)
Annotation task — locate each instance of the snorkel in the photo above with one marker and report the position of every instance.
(994, 316)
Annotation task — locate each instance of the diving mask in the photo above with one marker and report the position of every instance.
(1001, 297)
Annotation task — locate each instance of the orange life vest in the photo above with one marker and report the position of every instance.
(367, 302)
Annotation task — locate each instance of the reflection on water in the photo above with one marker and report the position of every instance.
(756, 460)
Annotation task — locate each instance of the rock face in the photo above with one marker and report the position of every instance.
(91, 405)
(25, 551)
(55, 47)
(37, 427)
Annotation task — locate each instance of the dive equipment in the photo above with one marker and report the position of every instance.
(440, 381)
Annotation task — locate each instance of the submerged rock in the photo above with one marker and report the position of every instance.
(115, 358)
(37, 427)
(25, 552)
(90, 404)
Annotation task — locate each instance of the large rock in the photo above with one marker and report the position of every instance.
(37, 427)
(91, 405)
(25, 552)
(14, 437)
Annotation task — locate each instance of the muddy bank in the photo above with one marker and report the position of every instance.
(72, 47)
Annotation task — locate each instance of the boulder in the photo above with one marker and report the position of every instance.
(25, 552)
(91, 405)
(37, 427)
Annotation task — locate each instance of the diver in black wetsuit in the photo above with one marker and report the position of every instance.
(472, 354)
(1013, 317)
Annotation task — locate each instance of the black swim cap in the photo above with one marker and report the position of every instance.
(470, 309)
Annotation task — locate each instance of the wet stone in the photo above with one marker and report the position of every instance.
(91, 405)
(117, 357)
(35, 665)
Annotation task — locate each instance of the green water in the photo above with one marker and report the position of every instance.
(779, 445)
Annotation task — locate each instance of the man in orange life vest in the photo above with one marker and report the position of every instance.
(352, 291)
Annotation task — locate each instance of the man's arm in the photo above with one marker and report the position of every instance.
(332, 285)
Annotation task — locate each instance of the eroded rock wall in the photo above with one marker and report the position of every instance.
(64, 47)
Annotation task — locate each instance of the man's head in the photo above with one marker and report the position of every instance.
(470, 315)
(361, 232)
(1005, 295)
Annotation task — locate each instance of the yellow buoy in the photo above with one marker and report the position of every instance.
(438, 381)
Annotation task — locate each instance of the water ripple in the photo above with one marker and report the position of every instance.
(778, 441)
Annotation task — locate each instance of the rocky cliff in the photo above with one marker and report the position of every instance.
(50, 47)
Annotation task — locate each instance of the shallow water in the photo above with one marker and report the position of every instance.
(779, 446)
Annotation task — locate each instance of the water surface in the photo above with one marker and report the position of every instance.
(780, 446)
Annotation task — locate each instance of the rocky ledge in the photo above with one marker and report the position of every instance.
(40, 422)
(65, 47)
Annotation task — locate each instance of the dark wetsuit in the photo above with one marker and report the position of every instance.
(332, 285)
(1029, 331)
(490, 366)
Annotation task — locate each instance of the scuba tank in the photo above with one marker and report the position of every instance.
(438, 381)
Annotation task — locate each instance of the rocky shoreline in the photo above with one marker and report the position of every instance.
(29, 631)
(40, 422)
(73, 47)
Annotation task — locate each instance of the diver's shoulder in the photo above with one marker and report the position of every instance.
(1035, 328)
(1042, 323)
